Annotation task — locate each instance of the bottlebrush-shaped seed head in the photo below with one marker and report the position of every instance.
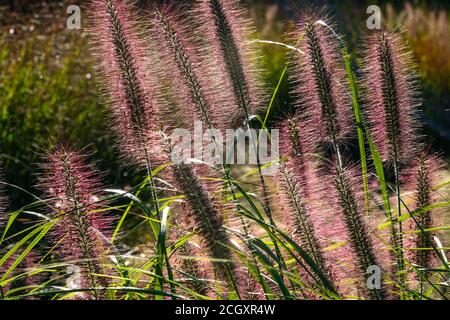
(391, 97)
(296, 139)
(191, 269)
(344, 200)
(228, 32)
(190, 93)
(124, 68)
(295, 170)
(73, 189)
(320, 81)
(421, 178)
(205, 218)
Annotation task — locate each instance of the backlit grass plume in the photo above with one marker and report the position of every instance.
(349, 206)
(391, 97)
(3, 202)
(295, 169)
(122, 62)
(3, 221)
(422, 178)
(228, 34)
(391, 111)
(205, 215)
(321, 85)
(192, 270)
(191, 91)
(234, 59)
(73, 191)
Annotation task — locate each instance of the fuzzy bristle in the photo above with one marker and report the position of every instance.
(121, 60)
(194, 271)
(190, 94)
(391, 97)
(421, 178)
(228, 30)
(73, 189)
(3, 200)
(356, 226)
(295, 168)
(206, 219)
(321, 82)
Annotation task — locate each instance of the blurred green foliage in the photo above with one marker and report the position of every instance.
(46, 91)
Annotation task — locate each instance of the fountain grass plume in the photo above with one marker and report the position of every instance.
(231, 54)
(392, 102)
(206, 217)
(73, 189)
(229, 33)
(121, 60)
(350, 208)
(421, 178)
(192, 92)
(296, 167)
(3, 201)
(193, 271)
(320, 82)
(391, 112)
(33, 277)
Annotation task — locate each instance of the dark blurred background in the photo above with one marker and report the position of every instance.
(48, 87)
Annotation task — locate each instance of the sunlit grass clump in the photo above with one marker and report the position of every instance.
(327, 225)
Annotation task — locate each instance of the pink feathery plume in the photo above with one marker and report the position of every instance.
(296, 170)
(82, 229)
(391, 96)
(124, 68)
(344, 224)
(191, 89)
(231, 56)
(205, 217)
(320, 81)
(231, 61)
(194, 270)
(190, 95)
(421, 178)
(324, 105)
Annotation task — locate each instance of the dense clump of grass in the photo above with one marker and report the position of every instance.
(157, 75)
